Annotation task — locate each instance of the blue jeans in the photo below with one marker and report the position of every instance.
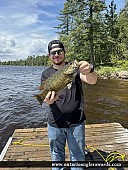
(76, 142)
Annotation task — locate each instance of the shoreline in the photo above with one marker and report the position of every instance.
(119, 75)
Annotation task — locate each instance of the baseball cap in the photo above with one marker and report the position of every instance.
(55, 44)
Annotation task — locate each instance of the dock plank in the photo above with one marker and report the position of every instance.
(34, 146)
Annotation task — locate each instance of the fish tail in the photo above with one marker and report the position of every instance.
(38, 98)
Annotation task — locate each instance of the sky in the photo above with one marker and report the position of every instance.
(27, 26)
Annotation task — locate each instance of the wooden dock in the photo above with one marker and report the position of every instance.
(105, 141)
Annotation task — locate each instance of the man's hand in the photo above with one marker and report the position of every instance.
(84, 67)
(51, 97)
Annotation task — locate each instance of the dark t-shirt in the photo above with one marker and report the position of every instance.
(68, 109)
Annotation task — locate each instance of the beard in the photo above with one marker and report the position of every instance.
(57, 61)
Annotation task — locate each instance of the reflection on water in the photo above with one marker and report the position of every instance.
(18, 108)
(106, 101)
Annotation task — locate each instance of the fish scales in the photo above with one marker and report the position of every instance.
(58, 81)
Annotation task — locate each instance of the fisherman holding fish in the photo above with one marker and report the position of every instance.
(66, 117)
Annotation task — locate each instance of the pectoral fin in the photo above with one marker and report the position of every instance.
(41, 87)
(69, 85)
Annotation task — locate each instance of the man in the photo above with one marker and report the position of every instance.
(66, 117)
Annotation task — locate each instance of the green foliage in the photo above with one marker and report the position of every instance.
(96, 32)
(105, 71)
(124, 65)
(30, 61)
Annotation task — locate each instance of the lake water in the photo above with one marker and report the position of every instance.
(106, 101)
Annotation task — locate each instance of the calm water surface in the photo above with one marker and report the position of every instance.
(106, 101)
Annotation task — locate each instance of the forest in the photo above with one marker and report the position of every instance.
(91, 31)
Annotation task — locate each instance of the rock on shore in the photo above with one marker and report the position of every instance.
(119, 75)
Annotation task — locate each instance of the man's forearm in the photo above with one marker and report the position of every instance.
(90, 78)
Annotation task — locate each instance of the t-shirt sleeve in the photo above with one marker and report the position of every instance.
(43, 77)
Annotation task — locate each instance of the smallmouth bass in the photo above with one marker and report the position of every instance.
(58, 81)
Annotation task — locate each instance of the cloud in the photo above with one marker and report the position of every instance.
(12, 48)
(7, 45)
(26, 27)
(7, 41)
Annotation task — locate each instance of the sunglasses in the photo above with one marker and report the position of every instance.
(59, 52)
